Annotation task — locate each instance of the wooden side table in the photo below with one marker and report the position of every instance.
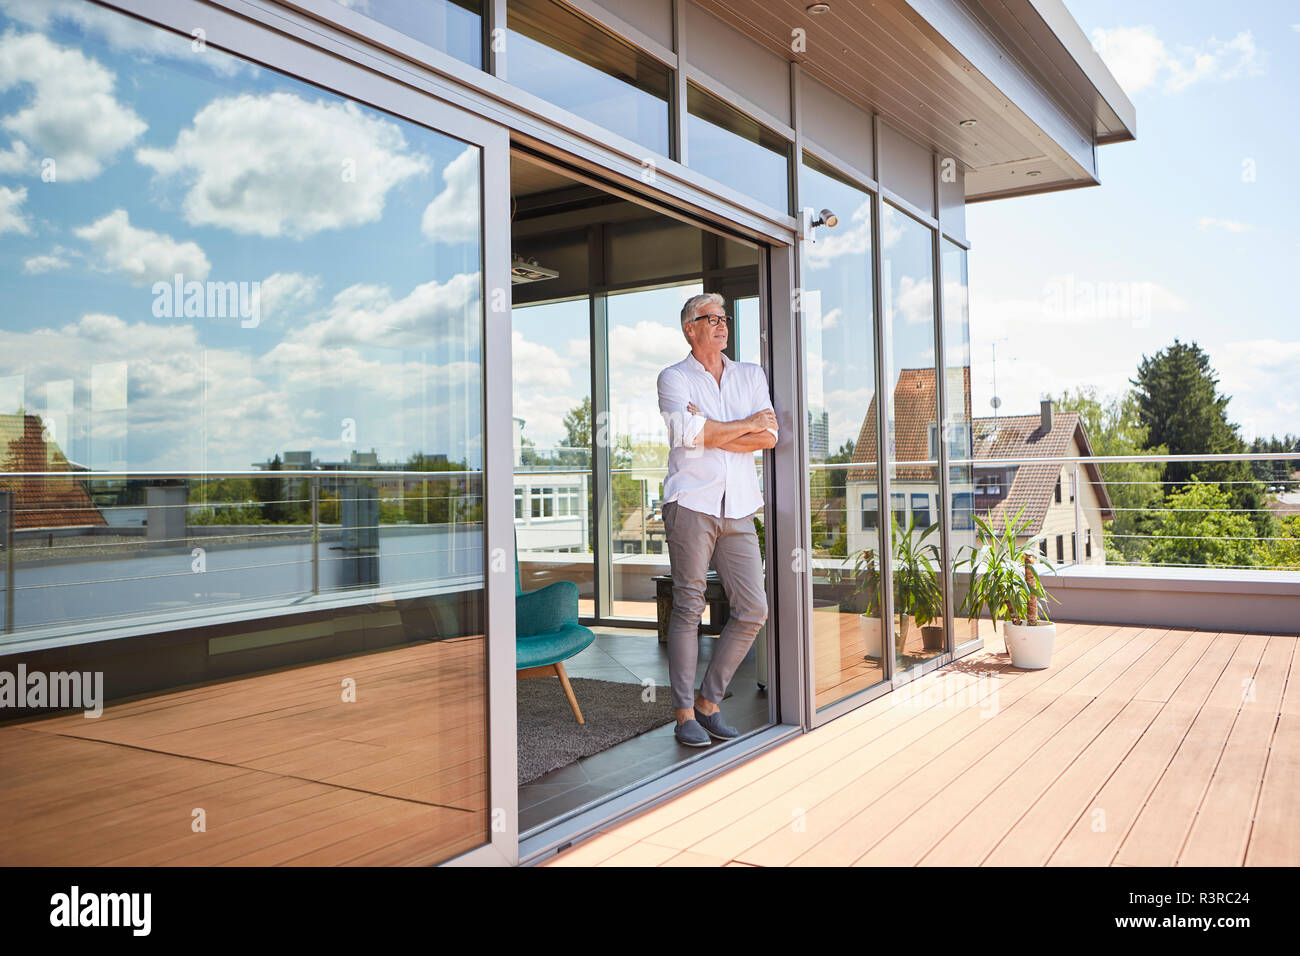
(715, 595)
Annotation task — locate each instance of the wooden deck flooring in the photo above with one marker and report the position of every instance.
(284, 770)
(1137, 747)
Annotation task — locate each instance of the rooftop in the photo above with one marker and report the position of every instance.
(1136, 747)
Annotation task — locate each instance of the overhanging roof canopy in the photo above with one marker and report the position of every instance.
(1040, 96)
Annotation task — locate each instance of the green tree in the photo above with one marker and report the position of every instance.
(577, 435)
(1181, 407)
(1284, 551)
(1114, 428)
(1198, 527)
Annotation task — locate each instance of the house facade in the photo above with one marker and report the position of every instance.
(1064, 507)
(390, 232)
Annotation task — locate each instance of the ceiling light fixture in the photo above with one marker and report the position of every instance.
(967, 123)
(817, 9)
(1034, 172)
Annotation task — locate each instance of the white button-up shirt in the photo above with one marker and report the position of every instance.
(698, 476)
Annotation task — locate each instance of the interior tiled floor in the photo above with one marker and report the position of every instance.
(629, 656)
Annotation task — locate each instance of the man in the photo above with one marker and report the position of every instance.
(718, 414)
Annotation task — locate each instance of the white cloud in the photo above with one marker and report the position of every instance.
(369, 315)
(73, 115)
(11, 214)
(914, 301)
(1228, 225)
(1263, 378)
(142, 255)
(1140, 59)
(122, 33)
(285, 292)
(293, 396)
(453, 216)
(36, 265)
(280, 165)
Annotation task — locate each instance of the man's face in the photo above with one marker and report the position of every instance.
(702, 335)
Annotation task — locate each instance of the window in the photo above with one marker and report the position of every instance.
(1087, 543)
(543, 502)
(733, 148)
(519, 503)
(1074, 547)
(932, 442)
(990, 484)
(1074, 481)
(452, 26)
(566, 59)
(963, 509)
(1060, 545)
(869, 517)
(567, 501)
(1057, 491)
(1042, 547)
(898, 501)
(921, 510)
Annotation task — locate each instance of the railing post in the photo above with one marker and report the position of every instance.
(315, 536)
(1078, 516)
(7, 511)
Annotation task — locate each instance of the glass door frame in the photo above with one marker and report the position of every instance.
(303, 53)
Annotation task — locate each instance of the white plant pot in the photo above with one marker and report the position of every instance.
(870, 627)
(1030, 647)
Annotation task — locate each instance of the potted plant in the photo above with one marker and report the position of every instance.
(867, 574)
(918, 595)
(1003, 581)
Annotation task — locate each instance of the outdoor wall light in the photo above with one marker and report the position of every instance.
(817, 9)
(825, 218)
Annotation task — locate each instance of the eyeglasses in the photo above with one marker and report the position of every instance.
(714, 318)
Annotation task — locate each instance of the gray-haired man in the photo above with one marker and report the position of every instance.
(718, 414)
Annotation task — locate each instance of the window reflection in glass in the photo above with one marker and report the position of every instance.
(551, 354)
(239, 272)
(452, 26)
(567, 60)
(907, 286)
(963, 481)
(735, 149)
(645, 334)
(837, 307)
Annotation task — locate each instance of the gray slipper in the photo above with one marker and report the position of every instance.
(716, 726)
(691, 734)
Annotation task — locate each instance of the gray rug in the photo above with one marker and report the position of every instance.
(550, 737)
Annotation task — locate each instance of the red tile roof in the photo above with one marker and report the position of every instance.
(1034, 485)
(915, 410)
(42, 502)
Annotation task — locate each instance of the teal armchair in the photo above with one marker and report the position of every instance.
(547, 633)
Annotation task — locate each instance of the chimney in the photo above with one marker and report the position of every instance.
(1045, 415)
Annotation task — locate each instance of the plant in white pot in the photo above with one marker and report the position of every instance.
(867, 575)
(1003, 581)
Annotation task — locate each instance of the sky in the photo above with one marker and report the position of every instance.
(1195, 222)
(360, 233)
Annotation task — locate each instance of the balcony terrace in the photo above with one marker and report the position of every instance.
(1138, 747)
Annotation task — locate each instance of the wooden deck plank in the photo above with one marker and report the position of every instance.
(729, 825)
(1221, 832)
(971, 838)
(1162, 825)
(1097, 834)
(1275, 838)
(830, 802)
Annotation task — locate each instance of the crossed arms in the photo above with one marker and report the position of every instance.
(758, 432)
(688, 428)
